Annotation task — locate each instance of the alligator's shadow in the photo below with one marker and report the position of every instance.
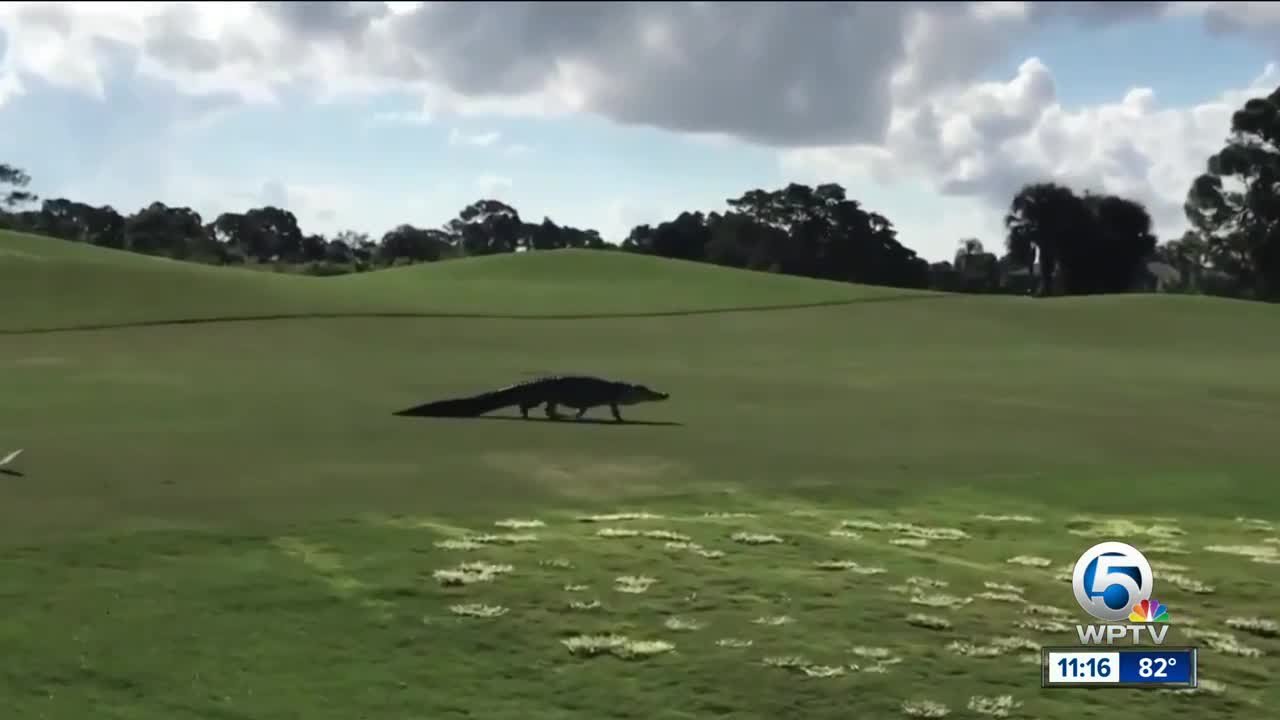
(535, 418)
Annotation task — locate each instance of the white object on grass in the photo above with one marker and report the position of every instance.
(10, 457)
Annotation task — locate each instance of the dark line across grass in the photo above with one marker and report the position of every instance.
(471, 316)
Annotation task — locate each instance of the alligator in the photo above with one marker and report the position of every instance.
(573, 391)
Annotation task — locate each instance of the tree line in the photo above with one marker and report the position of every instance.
(1058, 241)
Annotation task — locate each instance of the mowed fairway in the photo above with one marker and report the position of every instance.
(844, 507)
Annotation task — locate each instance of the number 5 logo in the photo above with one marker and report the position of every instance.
(1110, 578)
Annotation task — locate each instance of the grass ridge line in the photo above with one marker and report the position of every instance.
(425, 315)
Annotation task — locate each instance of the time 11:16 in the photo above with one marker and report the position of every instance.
(1093, 667)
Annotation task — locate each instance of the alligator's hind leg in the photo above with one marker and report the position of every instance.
(524, 411)
(551, 411)
(581, 411)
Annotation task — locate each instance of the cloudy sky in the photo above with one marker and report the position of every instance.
(605, 115)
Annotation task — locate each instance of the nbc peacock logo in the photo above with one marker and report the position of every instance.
(1149, 611)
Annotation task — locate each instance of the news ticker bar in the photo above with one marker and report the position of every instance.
(1118, 667)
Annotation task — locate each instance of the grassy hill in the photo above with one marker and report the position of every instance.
(240, 495)
(97, 286)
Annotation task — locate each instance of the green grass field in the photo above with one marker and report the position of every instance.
(223, 519)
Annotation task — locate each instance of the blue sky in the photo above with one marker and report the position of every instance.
(350, 163)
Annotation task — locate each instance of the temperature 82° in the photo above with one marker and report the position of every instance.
(1156, 667)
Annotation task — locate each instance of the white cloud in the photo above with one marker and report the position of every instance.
(983, 142)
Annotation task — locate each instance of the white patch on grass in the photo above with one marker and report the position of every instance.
(1225, 643)
(998, 706)
(774, 620)
(592, 645)
(845, 534)
(1187, 583)
(579, 605)
(503, 538)
(1269, 554)
(939, 600)
(1008, 518)
(748, 538)
(1166, 549)
(478, 610)
(454, 544)
(1048, 611)
(517, 524)
(929, 533)
(1006, 597)
(683, 624)
(666, 535)
(883, 655)
(848, 566)
(1255, 625)
(1120, 528)
(1030, 561)
(734, 643)
(470, 573)
(1004, 587)
(576, 588)
(641, 649)
(997, 647)
(787, 662)
(618, 645)
(822, 671)
(925, 709)
(926, 582)
(932, 622)
(617, 533)
(863, 525)
(909, 542)
(634, 584)
(1256, 524)
(558, 563)
(1161, 568)
(693, 547)
(728, 515)
(616, 517)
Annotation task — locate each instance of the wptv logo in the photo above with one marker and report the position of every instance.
(1113, 582)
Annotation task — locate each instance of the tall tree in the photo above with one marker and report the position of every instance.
(486, 227)
(1117, 247)
(414, 244)
(174, 231)
(1042, 220)
(1235, 205)
(1090, 244)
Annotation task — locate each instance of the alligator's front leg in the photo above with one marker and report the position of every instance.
(616, 415)
(551, 411)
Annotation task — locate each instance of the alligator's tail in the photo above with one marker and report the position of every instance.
(472, 406)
